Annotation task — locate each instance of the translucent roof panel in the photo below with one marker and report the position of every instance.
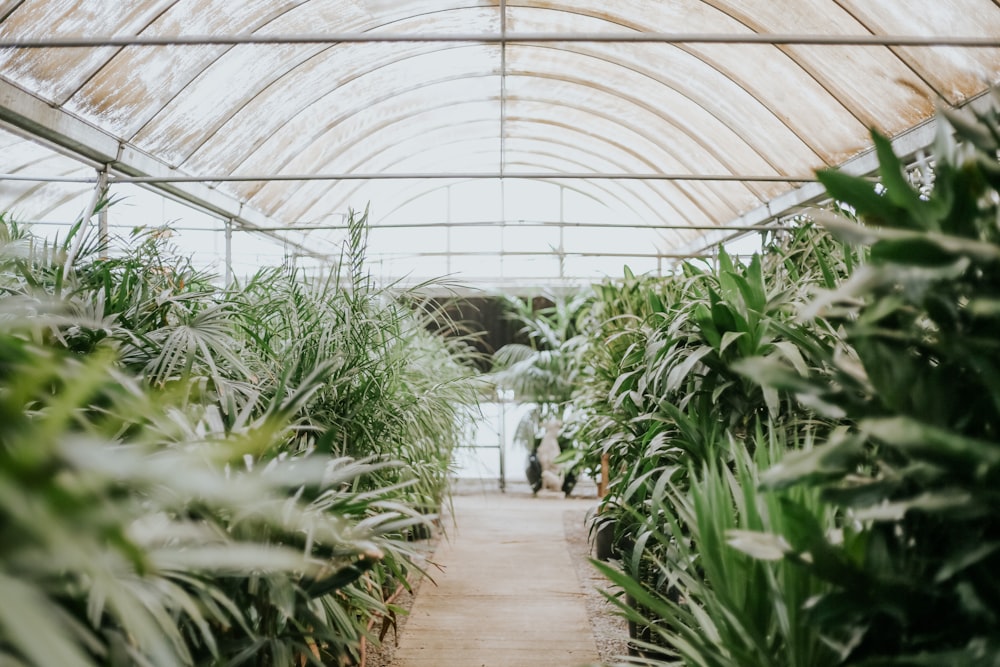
(660, 121)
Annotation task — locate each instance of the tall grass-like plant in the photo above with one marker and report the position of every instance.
(673, 407)
(187, 478)
(698, 598)
(121, 548)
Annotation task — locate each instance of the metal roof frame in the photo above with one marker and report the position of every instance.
(123, 160)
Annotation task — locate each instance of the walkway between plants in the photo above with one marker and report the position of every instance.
(508, 595)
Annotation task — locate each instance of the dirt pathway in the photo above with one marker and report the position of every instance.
(508, 595)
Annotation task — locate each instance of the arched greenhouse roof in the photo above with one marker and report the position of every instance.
(497, 141)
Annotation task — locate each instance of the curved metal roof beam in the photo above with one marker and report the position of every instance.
(690, 132)
(653, 212)
(263, 23)
(399, 147)
(701, 190)
(116, 51)
(354, 186)
(323, 102)
(303, 109)
(572, 187)
(210, 56)
(311, 54)
(908, 55)
(10, 8)
(685, 94)
(39, 17)
(693, 134)
(645, 107)
(755, 26)
(309, 122)
(696, 54)
(897, 51)
(394, 145)
(683, 187)
(717, 189)
(605, 187)
(547, 138)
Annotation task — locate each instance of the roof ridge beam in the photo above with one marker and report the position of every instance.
(804, 39)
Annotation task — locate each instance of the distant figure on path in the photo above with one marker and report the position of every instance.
(548, 450)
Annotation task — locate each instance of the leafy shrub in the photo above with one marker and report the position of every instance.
(188, 479)
(913, 471)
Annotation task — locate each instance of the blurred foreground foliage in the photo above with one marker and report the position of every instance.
(200, 476)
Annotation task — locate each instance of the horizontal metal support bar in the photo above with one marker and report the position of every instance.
(578, 176)
(39, 178)
(804, 39)
(905, 145)
(76, 137)
(554, 254)
(531, 223)
(443, 225)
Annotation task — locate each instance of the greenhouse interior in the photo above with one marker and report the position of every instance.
(413, 333)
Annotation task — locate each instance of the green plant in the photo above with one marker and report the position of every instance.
(250, 474)
(120, 547)
(914, 467)
(699, 599)
(546, 372)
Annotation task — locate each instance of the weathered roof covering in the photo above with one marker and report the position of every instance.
(685, 114)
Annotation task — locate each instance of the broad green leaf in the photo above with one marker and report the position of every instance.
(918, 439)
(680, 372)
(965, 558)
(729, 337)
(838, 456)
(897, 187)
(762, 546)
(945, 502)
(791, 352)
(860, 194)
(920, 251)
(34, 625)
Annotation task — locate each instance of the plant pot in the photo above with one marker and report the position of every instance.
(604, 541)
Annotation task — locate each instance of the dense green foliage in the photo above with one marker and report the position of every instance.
(191, 475)
(805, 446)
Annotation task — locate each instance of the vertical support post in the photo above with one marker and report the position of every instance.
(602, 487)
(447, 229)
(503, 226)
(229, 252)
(502, 436)
(503, 88)
(88, 212)
(102, 215)
(562, 231)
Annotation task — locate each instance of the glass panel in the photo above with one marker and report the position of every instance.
(529, 200)
(425, 208)
(405, 241)
(476, 201)
(254, 251)
(477, 266)
(525, 268)
(616, 240)
(421, 107)
(531, 238)
(476, 239)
